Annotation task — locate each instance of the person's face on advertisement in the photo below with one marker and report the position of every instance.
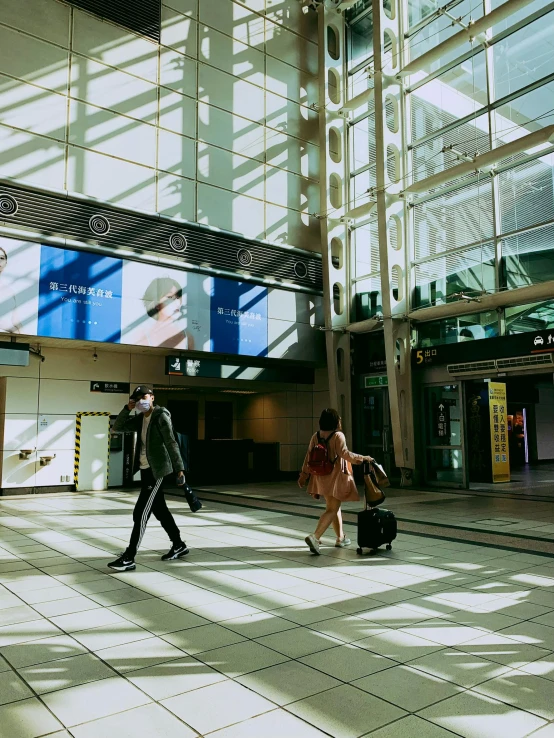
(170, 306)
(3, 260)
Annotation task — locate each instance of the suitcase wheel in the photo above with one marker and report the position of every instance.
(389, 547)
(359, 551)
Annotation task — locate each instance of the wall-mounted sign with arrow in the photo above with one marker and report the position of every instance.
(442, 419)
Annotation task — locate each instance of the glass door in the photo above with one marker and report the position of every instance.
(444, 452)
(375, 431)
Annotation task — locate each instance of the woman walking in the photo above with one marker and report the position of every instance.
(327, 470)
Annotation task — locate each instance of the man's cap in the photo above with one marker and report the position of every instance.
(140, 391)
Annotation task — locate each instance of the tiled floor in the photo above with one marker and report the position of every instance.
(498, 514)
(251, 636)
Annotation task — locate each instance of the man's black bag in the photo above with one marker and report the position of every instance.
(193, 501)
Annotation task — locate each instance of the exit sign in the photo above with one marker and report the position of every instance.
(382, 381)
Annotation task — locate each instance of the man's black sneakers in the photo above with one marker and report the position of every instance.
(176, 552)
(123, 563)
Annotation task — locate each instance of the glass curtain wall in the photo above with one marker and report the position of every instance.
(479, 233)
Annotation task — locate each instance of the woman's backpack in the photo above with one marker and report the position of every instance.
(319, 463)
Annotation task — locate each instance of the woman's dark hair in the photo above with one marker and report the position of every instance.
(329, 420)
(4, 252)
(157, 290)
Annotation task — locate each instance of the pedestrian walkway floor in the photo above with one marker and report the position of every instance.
(250, 636)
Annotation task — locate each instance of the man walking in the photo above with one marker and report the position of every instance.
(156, 455)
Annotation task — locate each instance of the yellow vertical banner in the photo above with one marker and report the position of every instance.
(498, 412)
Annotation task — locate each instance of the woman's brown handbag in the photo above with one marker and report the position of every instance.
(380, 474)
(373, 493)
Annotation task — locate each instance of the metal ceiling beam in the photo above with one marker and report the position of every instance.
(356, 102)
(474, 31)
(506, 298)
(483, 161)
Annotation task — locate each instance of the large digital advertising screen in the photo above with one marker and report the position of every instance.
(62, 293)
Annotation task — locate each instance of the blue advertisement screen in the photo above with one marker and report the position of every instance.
(238, 318)
(79, 295)
(62, 293)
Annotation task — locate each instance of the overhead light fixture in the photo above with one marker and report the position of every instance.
(239, 392)
(482, 161)
(472, 32)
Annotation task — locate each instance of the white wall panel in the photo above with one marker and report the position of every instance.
(145, 369)
(115, 46)
(293, 228)
(185, 7)
(177, 72)
(132, 142)
(282, 337)
(16, 472)
(72, 396)
(289, 14)
(235, 19)
(287, 81)
(287, 46)
(21, 395)
(57, 432)
(224, 91)
(46, 19)
(34, 60)
(19, 371)
(32, 159)
(61, 464)
(177, 112)
(111, 88)
(288, 190)
(232, 212)
(60, 363)
(292, 154)
(111, 180)
(218, 127)
(109, 133)
(176, 196)
(176, 154)
(295, 306)
(224, 52)
(291, 118)
(231, 171)
(32, 109)
(179, 32)
(20, 431)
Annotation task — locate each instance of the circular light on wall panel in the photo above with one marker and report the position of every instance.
(99, 225)
(178, 242)
(301, 270)
(8, 204)
(244, 257)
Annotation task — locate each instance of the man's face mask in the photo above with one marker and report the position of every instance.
(142, 406)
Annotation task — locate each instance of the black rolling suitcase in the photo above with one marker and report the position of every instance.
(375, 528)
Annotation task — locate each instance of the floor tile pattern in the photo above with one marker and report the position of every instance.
(251, 635)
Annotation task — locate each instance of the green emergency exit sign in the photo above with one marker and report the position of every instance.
(382, 381)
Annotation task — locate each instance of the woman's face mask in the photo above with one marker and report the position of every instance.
(142, 406)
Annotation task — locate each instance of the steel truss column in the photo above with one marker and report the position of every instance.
(334, 197)
(390, 209)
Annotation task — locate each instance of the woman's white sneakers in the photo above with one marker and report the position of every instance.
(313, 544)
(342, 542)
